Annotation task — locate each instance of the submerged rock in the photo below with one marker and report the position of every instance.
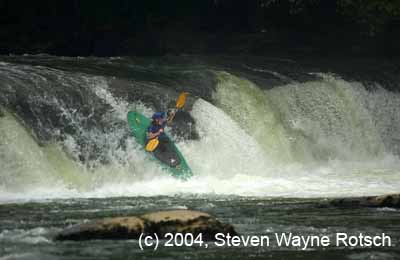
(175, 221)
(391, 200)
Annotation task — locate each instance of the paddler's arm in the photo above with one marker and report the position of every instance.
(151, 135)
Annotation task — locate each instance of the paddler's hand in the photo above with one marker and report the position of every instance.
(171, 115)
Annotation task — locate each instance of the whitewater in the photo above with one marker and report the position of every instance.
(326, 137)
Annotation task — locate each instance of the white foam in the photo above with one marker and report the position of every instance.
(31, 236)
(227, 159)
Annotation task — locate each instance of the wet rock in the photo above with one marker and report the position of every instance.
(175, 221)
(184, 126)
(391, 200)
(109, 228)
(186, 221)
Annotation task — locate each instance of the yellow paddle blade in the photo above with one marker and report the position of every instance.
(152, 145)
(180, 102)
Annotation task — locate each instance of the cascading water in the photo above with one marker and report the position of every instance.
(327, 137)
(313, 121)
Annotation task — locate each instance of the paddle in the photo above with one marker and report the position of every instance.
(180, 102)
(152, 144)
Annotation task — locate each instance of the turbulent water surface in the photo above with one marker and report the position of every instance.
(266, 141)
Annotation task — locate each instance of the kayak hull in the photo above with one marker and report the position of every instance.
(166, 154)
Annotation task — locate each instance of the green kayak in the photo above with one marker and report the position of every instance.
(169, 157)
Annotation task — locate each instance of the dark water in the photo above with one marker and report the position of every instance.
(26, 229)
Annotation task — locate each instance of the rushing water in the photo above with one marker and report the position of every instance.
(265, 143)
(27, 228)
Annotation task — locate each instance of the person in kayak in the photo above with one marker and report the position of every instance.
(156, 128)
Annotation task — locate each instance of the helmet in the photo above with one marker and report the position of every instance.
(158, 115)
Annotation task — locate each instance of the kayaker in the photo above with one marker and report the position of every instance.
(156, 128)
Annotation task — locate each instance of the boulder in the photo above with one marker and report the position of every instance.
(109, 228)
(186, 221)
(391, 200)
(161, 222)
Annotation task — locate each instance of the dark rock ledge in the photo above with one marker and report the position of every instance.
(175, 221)
(391, 201)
